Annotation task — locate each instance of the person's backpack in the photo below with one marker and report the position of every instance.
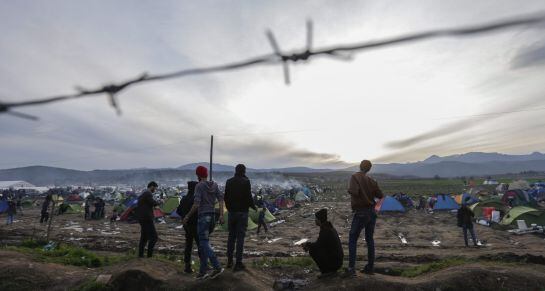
(185, 205)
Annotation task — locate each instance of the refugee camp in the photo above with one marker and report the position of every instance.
(272, 145)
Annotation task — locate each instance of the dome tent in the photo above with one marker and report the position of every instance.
(389, 204)
(254, 215)
(445, 202)
(528, 214)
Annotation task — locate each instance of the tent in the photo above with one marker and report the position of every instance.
(66, 208)
(57, 199)
(170, 204)
(254, 215)
(490, 182)
(174, 214)
(492, 202)
(158, 213)
(225, 227)
(301, 197)
(537, 194)
(528, 214)
(514, 198)
(3, 206)
(73, 197)
(130, 202)
(389, 204)
(462, 198)
(519, 185)
(283, 202)
(128, 215)
(445, 202)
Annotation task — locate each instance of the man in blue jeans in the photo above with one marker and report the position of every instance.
(363, 190)
(206, 195)
(238, 199)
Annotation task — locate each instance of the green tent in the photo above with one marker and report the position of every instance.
(224, 227)
(170, 204)
(491, 202)
(66, 208)
(528, 214)
(301, 197)
(254, 215)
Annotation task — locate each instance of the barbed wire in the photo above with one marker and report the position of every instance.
(341, 51)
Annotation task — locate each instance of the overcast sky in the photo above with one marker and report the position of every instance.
(397, 104)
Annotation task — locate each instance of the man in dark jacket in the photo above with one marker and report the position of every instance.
(363, 190)
(465, 220)
(144, 212)
(191, 226)
(238, 199)
(45, 205)
(12, 210)
(327, 251)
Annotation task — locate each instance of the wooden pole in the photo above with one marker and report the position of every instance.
(211, 153)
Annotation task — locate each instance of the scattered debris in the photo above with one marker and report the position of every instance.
(436, 243)
(300, 242)
(277, 222)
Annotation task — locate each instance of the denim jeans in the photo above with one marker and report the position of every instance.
(364, 219)
(10, 219)
(205, 223)
(465, 228)
(237, 224)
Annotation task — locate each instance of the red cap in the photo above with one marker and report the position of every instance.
(202, 172)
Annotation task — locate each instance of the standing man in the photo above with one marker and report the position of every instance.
(206, 195)
(12, 210)
(144, 212)
(191, 226)
(465, 220)
(238, 199)
(45, 205)
(363, 190)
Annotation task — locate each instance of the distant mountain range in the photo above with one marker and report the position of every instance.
(469, 164)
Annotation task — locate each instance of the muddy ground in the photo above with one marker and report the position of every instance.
(505, 261)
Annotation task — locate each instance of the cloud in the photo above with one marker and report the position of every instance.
(531, 56)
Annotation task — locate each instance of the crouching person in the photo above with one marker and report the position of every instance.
(327, 251)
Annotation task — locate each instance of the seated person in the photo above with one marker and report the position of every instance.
(327, 251)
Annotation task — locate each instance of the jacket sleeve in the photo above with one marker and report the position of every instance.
(376, 190)
(227, 197)
(248, 191)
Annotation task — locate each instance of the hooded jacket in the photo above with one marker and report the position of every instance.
(144, 210)
(207, 193)
(363, 190)
(328, 248)
(238, 194)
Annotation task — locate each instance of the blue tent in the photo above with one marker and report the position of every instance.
(389, 204)
(445, 202)
(131, 202)
(3, 206)
(461, 199)
(174, 214)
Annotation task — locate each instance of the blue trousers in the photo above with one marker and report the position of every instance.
(10, 219)
(238, 222)
(204, 224)
(363, 220)
(465, 228)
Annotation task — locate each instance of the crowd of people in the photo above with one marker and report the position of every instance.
(199, 218)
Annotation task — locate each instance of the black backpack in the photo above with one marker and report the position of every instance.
(187, 201)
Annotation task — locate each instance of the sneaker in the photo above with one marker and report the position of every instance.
(216, 272)
(367, 270)
(202, 276)
(239, 267)
(348, 273)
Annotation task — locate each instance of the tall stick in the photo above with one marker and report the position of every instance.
(211, 153)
